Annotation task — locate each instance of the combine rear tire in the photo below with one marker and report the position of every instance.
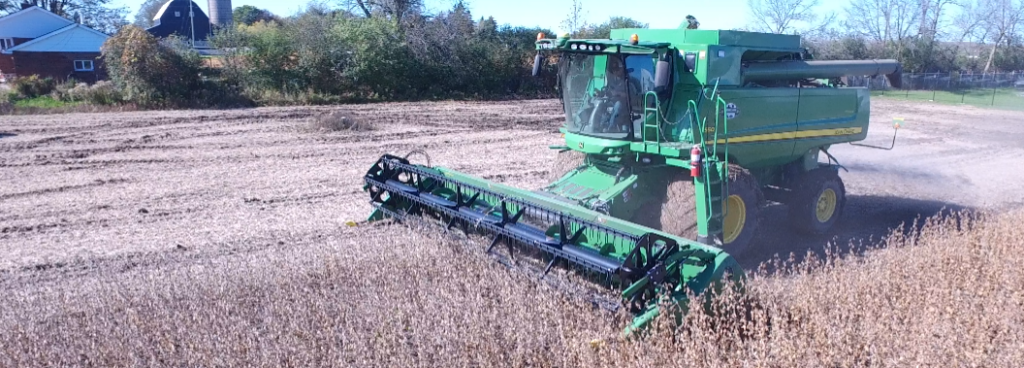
(819, 198)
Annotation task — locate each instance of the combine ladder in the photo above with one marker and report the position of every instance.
(711, 185)
(651, 134)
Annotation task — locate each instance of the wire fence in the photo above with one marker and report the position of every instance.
(1002, 90)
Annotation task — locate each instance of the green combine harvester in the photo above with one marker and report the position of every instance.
(682, 135)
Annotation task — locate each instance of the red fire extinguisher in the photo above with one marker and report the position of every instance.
(695, 161)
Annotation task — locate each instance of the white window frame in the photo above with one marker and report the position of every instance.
(87, 66)
(6, 43)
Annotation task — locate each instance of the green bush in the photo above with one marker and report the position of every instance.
(151, 72)
(33, 86)
(321, 57)
(101, 93)
(61, 90)
(326, 57)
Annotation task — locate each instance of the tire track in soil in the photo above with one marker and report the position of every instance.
(173, 256)
(61, 189)
(218, 153)
(195, 201)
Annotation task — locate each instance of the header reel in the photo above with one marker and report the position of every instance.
(642, 262)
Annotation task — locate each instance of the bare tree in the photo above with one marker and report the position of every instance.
(97, 14)
(932, 13)
(893, 23)
(148, 10)
(575, 22)
(1000, 22)
(781, 16)
(397, 10)
(931, 30)
(968, 22)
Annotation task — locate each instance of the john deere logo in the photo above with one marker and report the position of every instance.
(581, 145)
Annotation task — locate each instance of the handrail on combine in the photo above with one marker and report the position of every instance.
(657, 117)
(721, 111)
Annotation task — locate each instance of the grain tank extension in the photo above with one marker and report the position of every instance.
(674, 138)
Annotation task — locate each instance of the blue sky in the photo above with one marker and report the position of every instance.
(716, 14)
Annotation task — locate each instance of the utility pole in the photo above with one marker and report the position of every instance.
(192, 23)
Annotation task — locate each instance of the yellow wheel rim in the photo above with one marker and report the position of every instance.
(735, 218)
(826, 205)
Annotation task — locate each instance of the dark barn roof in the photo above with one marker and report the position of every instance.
(173, 18)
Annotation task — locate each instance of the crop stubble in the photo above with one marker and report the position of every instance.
(204, 238)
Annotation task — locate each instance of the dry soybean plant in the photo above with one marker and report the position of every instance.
(340, 121)
(949, 293)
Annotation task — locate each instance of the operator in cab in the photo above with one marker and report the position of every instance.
(625, 88)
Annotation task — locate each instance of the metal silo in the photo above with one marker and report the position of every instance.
(220, 12)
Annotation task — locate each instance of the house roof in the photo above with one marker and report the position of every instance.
(163, 9)
(31, 22)
(174, 18)
(72, 38)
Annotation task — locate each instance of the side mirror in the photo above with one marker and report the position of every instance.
(536, 64)
(662, 76)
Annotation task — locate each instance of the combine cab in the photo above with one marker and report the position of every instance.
(683, 135)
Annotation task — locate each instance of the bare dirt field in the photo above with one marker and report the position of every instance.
(94, 186)
(149, 209)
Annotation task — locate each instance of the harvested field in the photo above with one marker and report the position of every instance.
(218, 237)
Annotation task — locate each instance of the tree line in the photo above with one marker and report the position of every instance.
(378, 50)
(927, 36)
(370, 52)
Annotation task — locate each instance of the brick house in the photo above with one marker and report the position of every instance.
(34, 41)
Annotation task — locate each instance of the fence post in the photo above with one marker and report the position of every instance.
(995, 87)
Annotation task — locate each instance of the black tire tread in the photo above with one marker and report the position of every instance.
(804, 200)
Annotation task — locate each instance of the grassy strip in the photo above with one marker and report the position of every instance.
(996, 98)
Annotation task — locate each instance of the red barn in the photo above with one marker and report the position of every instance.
(34, 41)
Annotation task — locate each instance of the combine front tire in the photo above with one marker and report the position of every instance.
(818, 200)
(674, 211)
(741, 210)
